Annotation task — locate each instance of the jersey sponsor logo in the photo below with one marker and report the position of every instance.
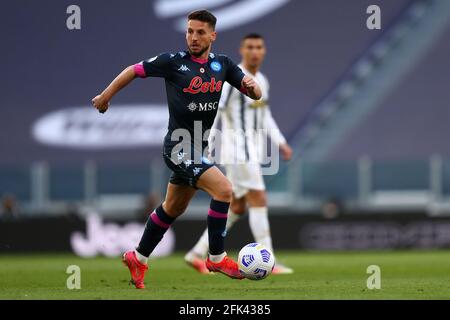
(258, 104)
(207, 106)
(197, 85)
(183, 68)
(231, 14)
(216, 66)
(192, 106)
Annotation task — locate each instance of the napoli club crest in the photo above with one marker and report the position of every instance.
(216, 66)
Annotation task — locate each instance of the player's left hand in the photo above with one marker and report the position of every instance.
(249, 83)
(286, 151)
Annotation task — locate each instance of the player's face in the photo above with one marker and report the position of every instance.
(253, 52)
(199, 36)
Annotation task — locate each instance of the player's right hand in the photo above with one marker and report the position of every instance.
(100, 103)
(286, 151)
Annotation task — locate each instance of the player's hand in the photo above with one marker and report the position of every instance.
(286, 151)
(249, 83)
(252, 88)
(101, 103)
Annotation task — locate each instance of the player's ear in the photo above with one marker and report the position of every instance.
(213, 36)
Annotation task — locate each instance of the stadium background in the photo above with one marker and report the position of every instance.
(365, 110)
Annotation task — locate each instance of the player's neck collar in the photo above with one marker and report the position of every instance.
(198, 60)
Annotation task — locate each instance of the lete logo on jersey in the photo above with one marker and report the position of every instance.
(197, 85)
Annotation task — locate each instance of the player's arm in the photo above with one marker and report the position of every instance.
(276, 135)
(215, 134)
(251, 88)
(158, 66)
(246, 84)
(101, 101)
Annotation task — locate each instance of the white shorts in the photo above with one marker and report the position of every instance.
(245, 177)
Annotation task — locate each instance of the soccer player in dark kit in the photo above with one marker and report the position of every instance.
(194, 80)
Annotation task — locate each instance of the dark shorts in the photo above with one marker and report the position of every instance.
(186, 168)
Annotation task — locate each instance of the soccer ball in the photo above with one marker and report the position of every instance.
(256, 262)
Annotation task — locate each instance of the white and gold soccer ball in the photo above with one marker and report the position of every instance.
(256, 262)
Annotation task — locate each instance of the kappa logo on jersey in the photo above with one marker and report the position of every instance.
(183, 68)
(197, 85)
(216, 66)
(196, 171)
(181, 155)
(232, 13)
(208, 106)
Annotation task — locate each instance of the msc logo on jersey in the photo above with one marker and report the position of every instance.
(216, 66)
(231, 14)
(207, 106)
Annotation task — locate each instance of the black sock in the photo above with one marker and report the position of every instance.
(217, 221)
(157, 224)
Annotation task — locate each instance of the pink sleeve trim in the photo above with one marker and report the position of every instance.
(139, 70)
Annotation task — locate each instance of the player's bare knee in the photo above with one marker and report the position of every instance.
(224, 192)
(174, 209)
(237, 208)
(262, 200)
(257, 198)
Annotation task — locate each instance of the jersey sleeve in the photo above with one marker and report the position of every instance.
(158, 66)
(272, 128)
(214, 135)
(269, 122)
(227, 91)
(234, 74)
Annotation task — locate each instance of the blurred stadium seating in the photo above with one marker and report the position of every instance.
(366, 110)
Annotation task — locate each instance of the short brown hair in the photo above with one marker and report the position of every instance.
(252, 35)
(203, 16)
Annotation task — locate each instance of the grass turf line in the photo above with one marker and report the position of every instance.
(318, 275)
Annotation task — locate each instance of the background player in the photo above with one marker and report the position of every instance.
(241, 117)
(194, 79)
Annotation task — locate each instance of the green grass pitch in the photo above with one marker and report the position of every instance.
(318, 275)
